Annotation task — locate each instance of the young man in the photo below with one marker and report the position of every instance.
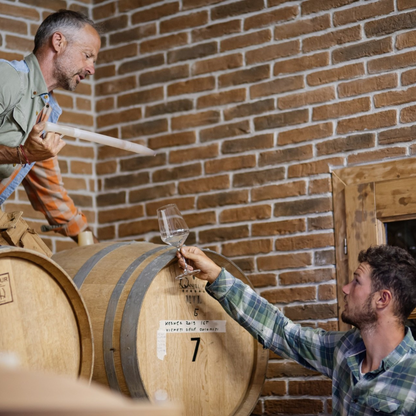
(372, 366)
(66, 48)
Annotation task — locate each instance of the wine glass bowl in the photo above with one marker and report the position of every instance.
(174, 231)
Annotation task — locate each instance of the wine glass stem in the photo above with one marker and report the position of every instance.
(184, 260)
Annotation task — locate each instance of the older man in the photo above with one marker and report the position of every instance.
(66, 48)
(372, 366)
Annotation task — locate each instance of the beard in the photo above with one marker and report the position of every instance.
(366, 317)
(65, 75)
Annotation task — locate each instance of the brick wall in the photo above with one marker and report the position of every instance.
(249, 105)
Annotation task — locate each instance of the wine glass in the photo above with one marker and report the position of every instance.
(174, 231)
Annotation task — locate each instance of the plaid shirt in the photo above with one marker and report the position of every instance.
(23, 85)
(389, 390)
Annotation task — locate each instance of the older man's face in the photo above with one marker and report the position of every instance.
(78, 59)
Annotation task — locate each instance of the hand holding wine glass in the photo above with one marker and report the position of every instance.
(174, 231)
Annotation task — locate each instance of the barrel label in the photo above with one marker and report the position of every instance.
(6, 295)
(183, 327)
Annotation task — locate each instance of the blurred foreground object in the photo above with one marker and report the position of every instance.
(25, 392)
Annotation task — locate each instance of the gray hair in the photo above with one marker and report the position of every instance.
(66, 21)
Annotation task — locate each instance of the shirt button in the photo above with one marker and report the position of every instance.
(46, 97)
(34, 92)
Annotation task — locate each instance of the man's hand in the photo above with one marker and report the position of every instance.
(199, 260)
(37, 148)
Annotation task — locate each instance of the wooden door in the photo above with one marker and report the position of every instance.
(365, 198)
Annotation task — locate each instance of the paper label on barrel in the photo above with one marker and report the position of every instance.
(5, 289)
(184, 327)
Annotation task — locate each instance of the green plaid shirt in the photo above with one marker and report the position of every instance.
(389, 390)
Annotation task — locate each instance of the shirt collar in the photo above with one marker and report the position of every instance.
(38, 83)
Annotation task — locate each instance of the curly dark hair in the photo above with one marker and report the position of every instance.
(394, 269)
(66, 21)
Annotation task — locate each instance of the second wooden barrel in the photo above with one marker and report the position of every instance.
(44, 324)
(162, 338)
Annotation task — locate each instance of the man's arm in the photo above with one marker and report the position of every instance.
(313, 348)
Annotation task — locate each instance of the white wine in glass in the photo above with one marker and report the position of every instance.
(174, 231)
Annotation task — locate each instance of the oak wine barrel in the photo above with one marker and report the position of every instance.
(160, 338)
(44, 324)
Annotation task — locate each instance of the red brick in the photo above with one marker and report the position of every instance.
(169, 107)
(230, 164)
(118, 117)
(195, 120)
(164, 75)
(327, 292)
(258, 177)
(196, 153)
(394, 97)
(224, 131)
(103, 12)
(201, 185)
(141, 63)
(284, 190)
(317, 131)
(281, 119)
(187, 21)
(367, 122)
(336, 74)
(271, 18)
(191, 4)
(289, 154)
(398, 135)
(391, 63)
(306, 98)
(304, 242)
(247, 213)
(284, 261)
(155, 13)
(244, 76)
(163, 43)
(409, 77)
(131, 35)
(221, 98)
(172, 140)
(315, 6)
(140, 97)
(367, 11)
(288, 368)
(307, 276)
(116, 86)
(192, 52)
(264, 141)
(191, 86)
(298, 294)
(118, 53)
(317, 167)
(276, 86)
(12, 25)
(272, 52)
(120, 214)
(381, 154)
(247, 247)
(153, 192)
(361, 50)
(19, 44)
(362, 86)
(339, 37)
(244, 41)
(263, 280)
(236, 8)
(249, 109)
(406, 40)
(302, 27)
(390, 24)
(217, 64)
(346, 144)
(303, 206)
(341, 109)
(405, 4)
(311, 312)
(21, 12)
(310, 387)
(220, 199)
(304, 63)
(216, 30)
(274, 388)
(278, 227)
(131, 228)
(144, 129)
